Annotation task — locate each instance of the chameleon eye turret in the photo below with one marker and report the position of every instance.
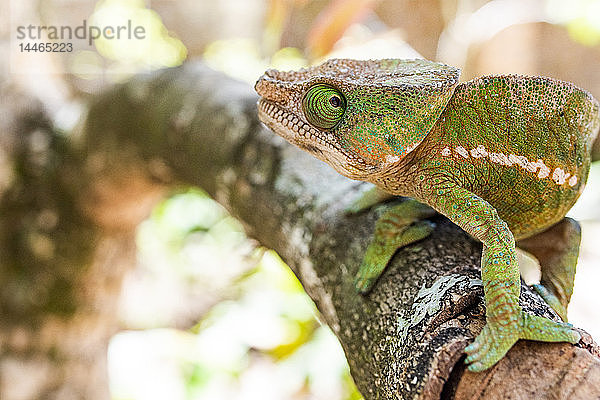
(324, 106)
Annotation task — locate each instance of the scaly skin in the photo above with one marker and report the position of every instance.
(503, 157)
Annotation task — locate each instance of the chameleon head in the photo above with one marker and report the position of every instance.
(358, 116)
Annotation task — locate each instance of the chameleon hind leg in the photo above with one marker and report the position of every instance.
(399, 226)
(506, 322)
(556, 249)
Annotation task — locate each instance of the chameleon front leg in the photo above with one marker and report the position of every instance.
(506, 322)
(399, 226)
(556, 249)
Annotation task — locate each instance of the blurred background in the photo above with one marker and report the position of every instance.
(207, 313)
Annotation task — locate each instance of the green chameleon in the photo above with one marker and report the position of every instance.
(503, 157)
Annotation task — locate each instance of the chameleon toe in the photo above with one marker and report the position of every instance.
(476, 367)
(489, 348)
(478, 354)
(476, 349)
(545, 330)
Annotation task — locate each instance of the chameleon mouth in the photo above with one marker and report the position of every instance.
(291, 128)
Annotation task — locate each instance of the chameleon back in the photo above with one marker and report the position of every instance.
(521, 143)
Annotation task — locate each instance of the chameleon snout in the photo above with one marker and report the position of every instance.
(271, 89)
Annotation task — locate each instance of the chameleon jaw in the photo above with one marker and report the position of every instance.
(303, 135)
(288, 126)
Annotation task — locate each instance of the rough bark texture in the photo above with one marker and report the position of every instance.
(194, 126)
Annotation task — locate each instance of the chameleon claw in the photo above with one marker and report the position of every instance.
(476, 367)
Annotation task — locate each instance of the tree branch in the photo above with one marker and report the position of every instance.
(194, 126)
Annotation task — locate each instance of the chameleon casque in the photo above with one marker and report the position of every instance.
(503, 157)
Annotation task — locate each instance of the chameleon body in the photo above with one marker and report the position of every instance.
(503, 157)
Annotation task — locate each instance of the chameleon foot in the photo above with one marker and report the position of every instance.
(382, 249)
(497, 337)
(400, 226)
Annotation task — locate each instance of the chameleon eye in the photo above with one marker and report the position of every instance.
(323, 106)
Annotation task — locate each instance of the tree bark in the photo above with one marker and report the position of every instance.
(193, 126)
